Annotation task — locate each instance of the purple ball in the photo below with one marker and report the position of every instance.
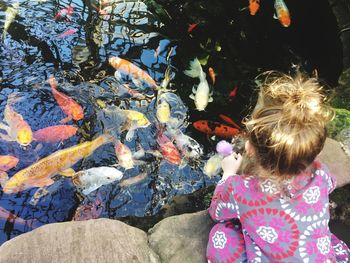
(225, 148)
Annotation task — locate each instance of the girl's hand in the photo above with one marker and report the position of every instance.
(230, 164)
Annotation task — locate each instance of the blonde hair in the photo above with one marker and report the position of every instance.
(287, 128)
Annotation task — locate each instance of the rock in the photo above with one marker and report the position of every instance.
(344, 138)
(181, 238)
(101, 240)
(340, 122)
(337, 161)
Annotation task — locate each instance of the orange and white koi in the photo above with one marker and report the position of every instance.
(69, 106)
(212, 74)
(254, 6)
(39, 173)
(282, 13)
(124, 155)
(168, 149)
(17, 128)
(10, 217)
(55, 133)
(137, 74)
(133, 180)
(7, 162)
(201, 94)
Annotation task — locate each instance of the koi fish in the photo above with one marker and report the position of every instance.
(133, 180)
(11, 13)
(135, 120)
(69, 106)
(215, 128)
(64, 12)
(90, 210)
(200, 95)
(233, 93)
(213, 166)
(7, 162)
(17, 128)
(229, 120)
(282, 13)
(67, 33)
(163, 111)
(212, 74)
(189, 147)
(137, 74)
(124, 155)
(10, 217)
(254, 6)
(191, 27)
(91, 179)
(39, 174)
(168, 149)
(54, 134)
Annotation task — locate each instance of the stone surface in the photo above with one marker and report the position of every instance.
(101, 240)
(337, 161)
(181, 238)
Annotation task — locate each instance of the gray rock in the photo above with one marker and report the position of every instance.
(181, 238)
(101, 240)
(337, 161)
(344, 138)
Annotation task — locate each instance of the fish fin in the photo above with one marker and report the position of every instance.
(194, 89)
(195, 69)
(210, 99)
(65, 120)
(4, 127)
(118, 75)
(275, 16)
(67, 173)
(6, 137)
(139, 154)
(43, 182)
(130, 134)
(3, 178)
(41, 192)
(192, 96)
(182, 164)
(139, 162)
(137, 82)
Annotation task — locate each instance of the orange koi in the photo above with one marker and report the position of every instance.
(254, 6)
(67, 33)
(69, 106)
(233, 93)
(168, 149)
(215, 128)
(54, 134)
(64, 12)
(7, 162)
(124, 155)
(10, 217)
(191, 27)
(133, 180)
(282, 13)
(126, 67)
(212, 74)
(229, 120)
(17, 128)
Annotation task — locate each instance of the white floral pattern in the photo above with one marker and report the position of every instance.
(324, 245)
(219, 240)
(339, 250)
(312, 195)
(269, 187)
(267, 233)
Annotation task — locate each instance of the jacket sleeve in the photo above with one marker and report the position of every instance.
(223, 207)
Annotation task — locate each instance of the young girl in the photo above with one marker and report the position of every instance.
(278, 210)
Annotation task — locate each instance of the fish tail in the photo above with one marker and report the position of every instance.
(195, 69)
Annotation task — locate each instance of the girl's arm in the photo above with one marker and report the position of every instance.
(223, 207)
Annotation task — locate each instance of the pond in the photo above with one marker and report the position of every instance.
(71, 44)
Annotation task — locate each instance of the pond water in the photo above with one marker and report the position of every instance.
(73, 40)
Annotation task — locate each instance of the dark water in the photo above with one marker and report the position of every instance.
(237, 45)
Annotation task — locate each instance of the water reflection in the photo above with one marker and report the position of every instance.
(47, 39)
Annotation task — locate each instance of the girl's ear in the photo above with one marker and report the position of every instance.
(249, 148)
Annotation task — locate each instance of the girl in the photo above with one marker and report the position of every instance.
(277, 211)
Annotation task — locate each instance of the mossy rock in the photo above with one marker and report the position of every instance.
(340, 122)
(341, 94)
